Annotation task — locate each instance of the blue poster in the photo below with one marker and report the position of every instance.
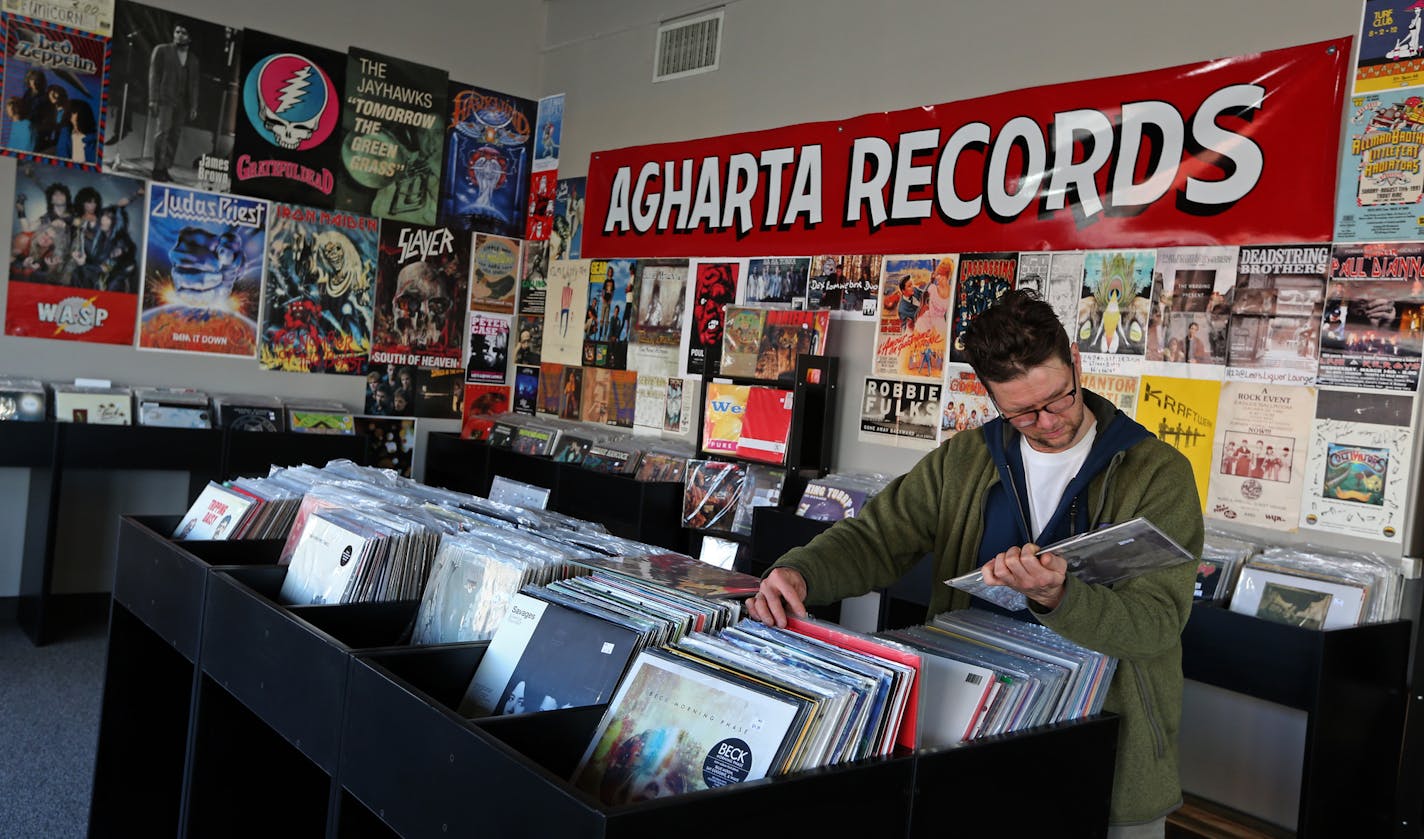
(567, 238)
(54, 84)
(1377, 197)
(485, 186)
(1390, 53)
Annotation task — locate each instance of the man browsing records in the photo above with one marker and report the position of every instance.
(1059, 460)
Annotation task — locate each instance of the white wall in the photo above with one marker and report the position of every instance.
(491, 44)
(790, 61)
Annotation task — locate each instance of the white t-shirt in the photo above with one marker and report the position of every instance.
(1048, 474)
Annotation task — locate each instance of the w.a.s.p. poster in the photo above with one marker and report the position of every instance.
(1258, 457)
(1357, 476)
(1182, 413)
(202, 274)
(287, 143)
(485, 184)
(393, 133)
(319, 291)
(74, 255)
(54, 92)
(420, 296)
(912, 334)
(170, 114)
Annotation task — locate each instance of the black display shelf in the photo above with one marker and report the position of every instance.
(810, 443)
(49, 449)
(316, 716)
(1351, 684)
(461, 465)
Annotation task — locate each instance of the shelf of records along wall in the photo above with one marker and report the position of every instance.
(762, 344)
(839, 495)
(751, 701)
(594, 447)
(30, 400)
(747, 422)
(720, 496)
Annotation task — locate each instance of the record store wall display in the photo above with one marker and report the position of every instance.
(53, 89)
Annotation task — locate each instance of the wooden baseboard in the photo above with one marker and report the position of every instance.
(1201, 818)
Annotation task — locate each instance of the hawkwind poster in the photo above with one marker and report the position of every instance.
(1191, 312)
(1182, 413)
(1113, 310)
(170, 114)
(96, 16)
(287, 143)
(202, 274)
(74, 255)
(1390, 54)
(1259, 454)
(318, 293)
(1276, 310)
(1374, 304)
(1357, 475)
(54, 92)
(1381, 178)
(392, 136)
(485, 185)
(420, 296)
(983, 279)
(912, 333)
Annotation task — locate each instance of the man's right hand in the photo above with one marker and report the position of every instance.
(782, 596)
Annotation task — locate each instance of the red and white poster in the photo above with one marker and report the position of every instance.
(1201, 154)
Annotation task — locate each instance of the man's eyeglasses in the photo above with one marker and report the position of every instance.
(1024, 419)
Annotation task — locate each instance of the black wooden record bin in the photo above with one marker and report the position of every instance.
(228, 714)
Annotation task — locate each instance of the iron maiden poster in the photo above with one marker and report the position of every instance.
(318, 294)
(485, 185)
(1357, 475)
(1276, 309)
(844, 284)
(202, 272)
(1381, 168)
(1191, 312)
(912, 333)
(95, 16)
(1182, 413)
(393, 133)
(1258, 455)
(1114, 309)
(714, 287)
(1371, 335)
(903, 414)
(983, 279)
(567, 312)
(54, 92)
(74, 257)
(170, 114)
(288, 136)
(1208, 153)
(420, 296)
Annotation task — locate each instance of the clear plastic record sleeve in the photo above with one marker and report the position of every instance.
(1104, 557)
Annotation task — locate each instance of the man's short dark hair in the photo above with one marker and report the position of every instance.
(1019, 332)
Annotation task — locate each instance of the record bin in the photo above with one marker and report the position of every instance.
(453, 463)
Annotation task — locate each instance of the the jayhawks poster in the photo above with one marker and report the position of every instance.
(487, 155)
(202, 277)
(288, 138)
(393, 133)
(420, 296)
(74, 255)
(53, 89)
(317, 295)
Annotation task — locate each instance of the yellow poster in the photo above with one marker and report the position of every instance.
(1182, 413)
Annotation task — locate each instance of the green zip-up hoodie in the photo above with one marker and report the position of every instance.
(938, 507)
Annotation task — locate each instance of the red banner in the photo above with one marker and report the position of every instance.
(1235, 151)
(41, 310)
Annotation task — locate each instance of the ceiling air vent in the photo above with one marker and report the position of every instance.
(688, 46)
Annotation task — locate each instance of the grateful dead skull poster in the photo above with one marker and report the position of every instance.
(420, 296)
(202, 275)
(287, 143)
(318, 291)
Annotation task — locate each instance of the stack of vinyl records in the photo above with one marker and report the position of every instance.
(745, 703)
(838, 495)
(21, 400)
(1221, 560)
(721, 495)
(1313, 589)
(249, 413)
(246, 508)
(664, 462)
(987, 674)
(173, 407)
(567, 644)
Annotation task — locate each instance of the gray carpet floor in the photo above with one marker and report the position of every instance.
(49, 722)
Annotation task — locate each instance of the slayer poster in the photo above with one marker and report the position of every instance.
(53, 87)
(317, 295)
(169, 112)
(288, 142)
(392, 135)
(74, 255)
(202, 278)
(485, 185)
(420, 296)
